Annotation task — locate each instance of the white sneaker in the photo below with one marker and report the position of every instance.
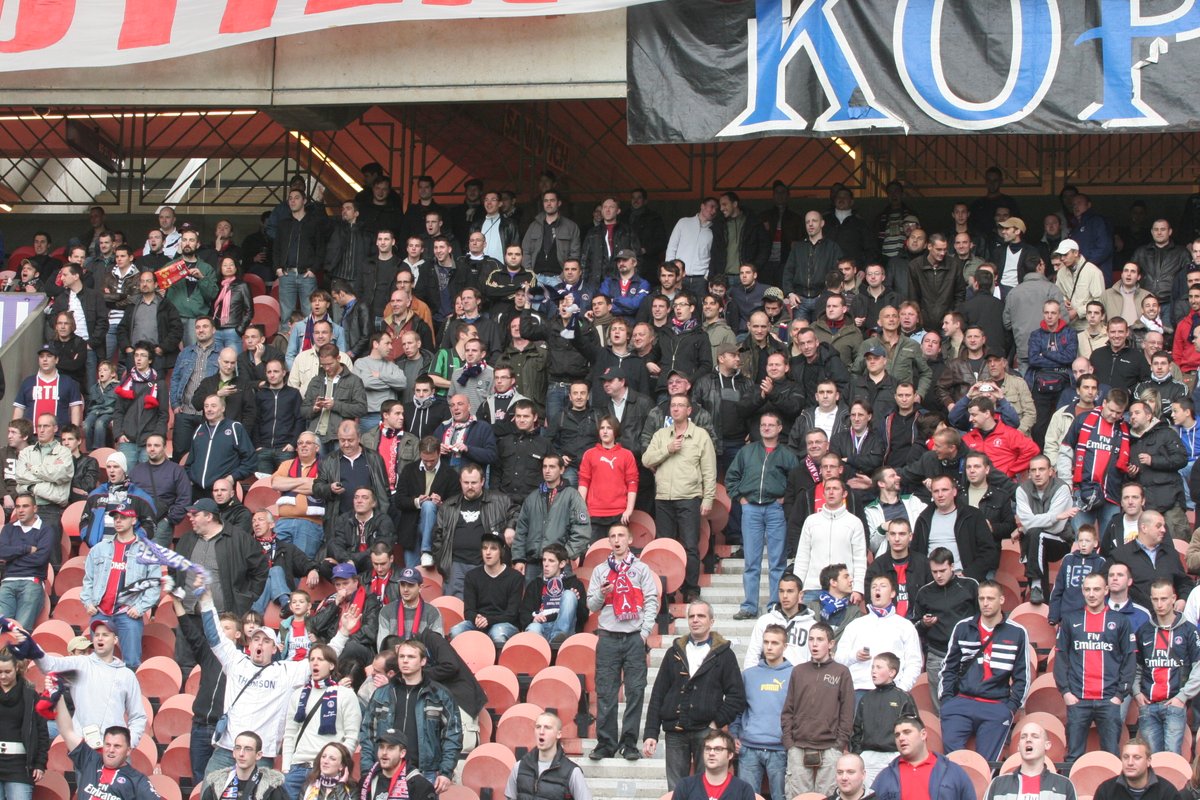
(426, 559)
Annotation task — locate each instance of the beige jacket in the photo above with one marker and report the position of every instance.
(690, 473)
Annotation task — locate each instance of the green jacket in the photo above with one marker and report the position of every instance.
(759, 476)
(906, 363)
(198, 302)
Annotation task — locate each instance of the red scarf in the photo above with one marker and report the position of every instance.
(402, 619)
(379, 586)
(360, 600)
(127, 391)
(626, 597)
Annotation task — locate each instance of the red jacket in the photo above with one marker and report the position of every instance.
(1008, 448)
(609, 476)
(1183, 351)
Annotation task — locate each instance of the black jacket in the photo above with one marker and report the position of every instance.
(996, 505)
(598, 263)
(378, 278)
(573, 432)
(637, 408)
(95, 313)
(279, 417)
(518, 470)
(689, 352)
(257, 372)
(564, 361)
(349, 245)
(1027, 262)
(239, 406)
(328, 616)
(422, 422)
(955, 601)
(918, 576)
(707, 391)
(827, 365)
(1117, 789)
(1168, 565)
(304, 239)
(754, 244)
(72, 359)
(410, 484)
(472, 272)
(446, 667)
(134, 420)
(855, 236)
(243, 568)
(170, 331)
(875, 717)
(329, 472)
(509, 233)
(241, 308)
(1125, 369)
(358, 324)
(342, 544)
(684, 702)
(977, 548)
(1160, 478)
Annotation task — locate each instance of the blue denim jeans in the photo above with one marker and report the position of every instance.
(22, 600)
(110, 342)
(133, 454)
(95, 430)
(500, 632)
(200, 749)
(753, 763)
(11, 790)
(267, 460)
(293, 781)
(1162, 726)
(564, 623)
(425, 525)
(762, 525)
(129, 635)
(294, 289)
(368, 421)
(807, 310)
(1100, 516)
(227, 337)
(1106, 715)
(557, 399)
(304, 533)
(1186, 472)
(277, 587)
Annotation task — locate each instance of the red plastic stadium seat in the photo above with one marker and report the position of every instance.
(1041, 633)
(1172, 767)
(805, 796)
(451, 609)
(71, 515)
(526, 653)
(578, 654)
(457, 792)
(259, 498)
(70, 574)
(53, 635)
(597, 553)
(58, 760)
(257, 287)
(174, 718)
(515, 728)
(644, 520)
(144, 757)
(14, 258)
(52, 786)
(488, 767)
(158, 639)
(666, 557)
(1041, 609)
(176, 761)
(557, 689)
(167, 787)
(101, 454)
(500, 685)
(1044, 695)
(475, 648)
(193, 681)
(159, 677)
(976, 767)
(1093, 769)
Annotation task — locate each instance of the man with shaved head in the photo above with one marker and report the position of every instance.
(1034, 777)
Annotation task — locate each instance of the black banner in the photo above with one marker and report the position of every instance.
(712, 70)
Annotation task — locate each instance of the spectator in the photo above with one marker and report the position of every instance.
(97, 769)
(349, 598)
(221, 448)
(1068, 586)
(553, 605)
(608, 475)
(553, 513)
(831, 534)
(984, 677)
(120, 587)
(947, 780)
(718, 752)
(624, 592)
(1094, 634)
(358, 530)
(25, 547)
(818, 716)
(335, 395)
(698, 687)
(342, 473)
(197, 361)
(1137, 777)
(278, 418)
(1149, 557)
(1086, 459)
(286, 564)
(909, 573)
(1079, 280)
(757, 729)
(959, 528)
(48, 391)
(491, 593)
(1045, 511)
(420, 490)
(1168, 647)
(789, 614)
(1157, 457)
(261, 783)
(307, 365)
(940, 604)
(880, 631)
(876, 716)
(833, 603)
(465, 439)
(559, 778)
(1035, 770)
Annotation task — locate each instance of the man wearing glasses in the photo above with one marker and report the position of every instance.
(717, 780)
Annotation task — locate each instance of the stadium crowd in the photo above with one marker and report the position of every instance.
(456, 394)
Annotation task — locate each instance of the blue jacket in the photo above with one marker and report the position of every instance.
(627, 304)
(758, 725)
(104, 498)
(280, 418)
(692, 788)
(183, 371)
(1094, 236)
(1067, 595)
(439, 727)
(1178, 659)
(948, 781)
(1050, 350)
(480, 441)
(962, 671)
(143, 582)
(220, 450)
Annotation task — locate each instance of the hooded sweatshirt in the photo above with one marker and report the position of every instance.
(758, 726)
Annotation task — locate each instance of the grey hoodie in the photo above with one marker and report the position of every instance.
(113, 690)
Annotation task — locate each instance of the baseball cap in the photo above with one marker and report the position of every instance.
(612, 373)
(124, 510)
(392, 736)
(680, 373)
(626, 254)
(1014, 222)
(494, 538)
(101, 623)
(773, 293)
(875, 349)
(345, 570)
(1066, 246)
(411, 575)
(994, 353)
(205, 504)
(267, 632)
(79, 643)
(46, 349)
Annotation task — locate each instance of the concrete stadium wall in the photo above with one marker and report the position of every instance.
(18, 358)
(536, 58)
